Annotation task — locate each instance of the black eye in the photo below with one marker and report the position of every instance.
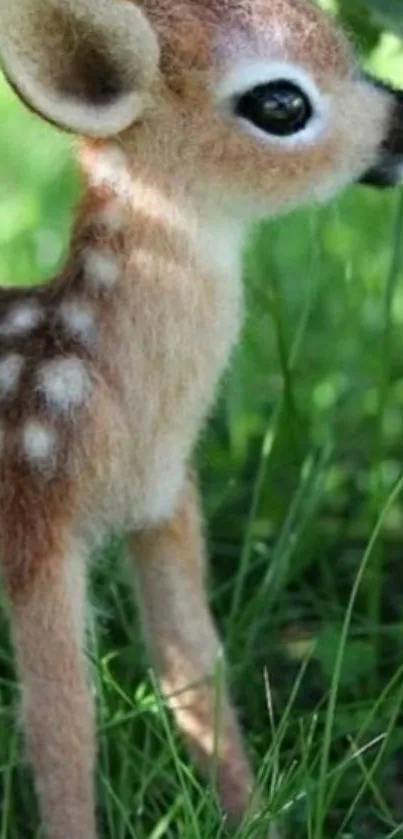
(279, 107)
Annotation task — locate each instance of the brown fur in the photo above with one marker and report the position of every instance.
(54, 679)
(141, 323)
(169, 566)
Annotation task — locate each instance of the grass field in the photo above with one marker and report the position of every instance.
(302, 473)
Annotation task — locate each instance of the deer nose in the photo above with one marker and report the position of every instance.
(387, 170)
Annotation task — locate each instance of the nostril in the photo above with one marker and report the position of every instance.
(388, 169)
(387, 173)
(393, 143)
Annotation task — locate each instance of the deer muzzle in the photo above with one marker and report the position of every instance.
(387, 170)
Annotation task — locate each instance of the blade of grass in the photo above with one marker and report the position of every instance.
(375, 579)
(269, 437)
(180, 769)
(7, 787)
(331, 710)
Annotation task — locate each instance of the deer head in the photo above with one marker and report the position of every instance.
(257, 103)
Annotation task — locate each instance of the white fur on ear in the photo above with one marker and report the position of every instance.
(85, 65)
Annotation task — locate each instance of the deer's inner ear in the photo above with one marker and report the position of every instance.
(87, 65)
(93, 76)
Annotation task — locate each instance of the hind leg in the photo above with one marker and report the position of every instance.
(169, 564)
(48, 629)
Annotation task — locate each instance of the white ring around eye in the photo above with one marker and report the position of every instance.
(251, 74)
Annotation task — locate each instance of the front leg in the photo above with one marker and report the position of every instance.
(48, 629)
(169, 563)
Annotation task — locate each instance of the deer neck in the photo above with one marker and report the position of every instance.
(167, 278)
(153, 225)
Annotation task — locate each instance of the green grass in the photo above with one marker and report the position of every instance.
(302, 475)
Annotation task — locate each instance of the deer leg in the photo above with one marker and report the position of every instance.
(169, 565)
(48, 629)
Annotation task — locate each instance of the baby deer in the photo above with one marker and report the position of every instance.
(198, 116)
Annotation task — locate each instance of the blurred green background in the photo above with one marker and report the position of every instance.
(300, 469)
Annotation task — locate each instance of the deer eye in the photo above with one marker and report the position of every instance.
(279, 108)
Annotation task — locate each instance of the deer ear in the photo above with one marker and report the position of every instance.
(85, 65)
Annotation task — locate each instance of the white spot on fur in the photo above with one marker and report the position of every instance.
(39, 444)
(102, 269)
(10, 373)
(112, 216)
(21, 319)
(65, 383)
(109, 167)
(78, 320)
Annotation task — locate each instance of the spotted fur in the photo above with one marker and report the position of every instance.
(108, 372)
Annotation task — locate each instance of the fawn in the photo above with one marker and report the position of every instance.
(196, 117)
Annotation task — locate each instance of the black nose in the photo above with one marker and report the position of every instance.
(387, 171)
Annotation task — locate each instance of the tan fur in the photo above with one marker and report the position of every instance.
(169, 566)
(116, 362)
(89, 51)
(54, 679)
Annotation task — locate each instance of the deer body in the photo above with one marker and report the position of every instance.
(178, 310)
(197, 118)
(145, 317)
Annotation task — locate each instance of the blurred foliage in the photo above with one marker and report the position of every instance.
(367, 20)
(382, 13)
